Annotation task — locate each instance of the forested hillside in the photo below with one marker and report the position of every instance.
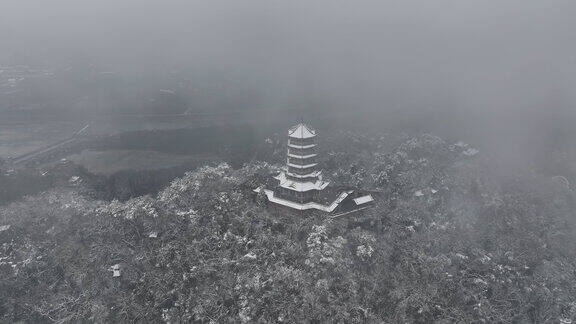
(450, 241)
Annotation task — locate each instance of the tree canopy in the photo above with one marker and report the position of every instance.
(448, 242)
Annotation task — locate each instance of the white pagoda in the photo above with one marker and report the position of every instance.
(300, 186)
(302, 180)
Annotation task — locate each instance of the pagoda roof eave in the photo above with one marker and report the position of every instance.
(302, 166)
(301, 146)
(302, 156)
(311, 205)
(309, 175)
(301, 131)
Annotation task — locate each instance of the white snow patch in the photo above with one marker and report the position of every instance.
(115, 270)
(471, 152)
(485, 259)
(363, 199)
(250, 256)
(461, 256)
(191, 212)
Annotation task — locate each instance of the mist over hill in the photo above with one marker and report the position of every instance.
(137, 138)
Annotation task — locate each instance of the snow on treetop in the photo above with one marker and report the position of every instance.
(301, 131)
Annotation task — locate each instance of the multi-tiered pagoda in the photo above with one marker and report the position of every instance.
(300, 185)
(302, 180)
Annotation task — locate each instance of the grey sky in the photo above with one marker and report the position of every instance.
(497, 56)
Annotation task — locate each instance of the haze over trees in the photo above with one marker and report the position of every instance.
(451, 242)
(457, 115)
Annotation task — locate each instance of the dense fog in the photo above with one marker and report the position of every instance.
(504, 69)
(136, 137)
(476, 55)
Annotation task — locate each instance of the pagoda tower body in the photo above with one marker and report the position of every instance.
(299, 186)
(302, 180)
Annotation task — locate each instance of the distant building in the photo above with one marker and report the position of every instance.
(301, 187)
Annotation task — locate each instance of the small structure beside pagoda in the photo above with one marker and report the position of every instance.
(300, 185)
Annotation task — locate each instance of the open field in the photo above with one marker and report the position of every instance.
(18, 139)
(110, 161)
